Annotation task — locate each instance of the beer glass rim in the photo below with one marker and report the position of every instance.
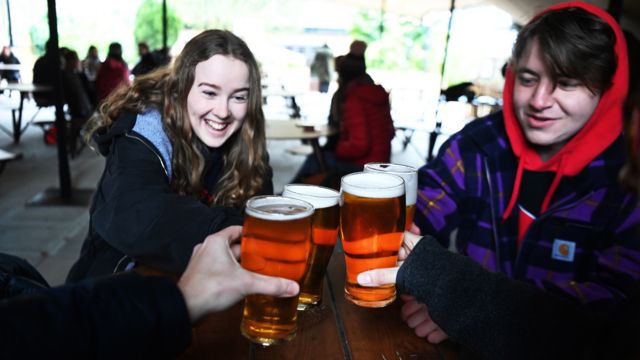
(393, 168)
(375, 185)
(274, 199)
(319, 196)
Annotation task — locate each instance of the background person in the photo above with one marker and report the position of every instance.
(185, 148)
(362, 112)
(549, 250)
(113, 72)
(147, 63)
(7, 57)
(321, 67)
(90, 66)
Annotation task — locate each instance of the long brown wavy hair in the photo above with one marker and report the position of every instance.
(246, 163)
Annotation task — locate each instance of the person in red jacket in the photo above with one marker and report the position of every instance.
(113, 73)
(362, 111)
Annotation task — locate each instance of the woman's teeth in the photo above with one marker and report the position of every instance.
(216, 125)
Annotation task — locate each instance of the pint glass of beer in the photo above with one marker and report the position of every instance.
(326, 219)
(372, 228)
(276, 239)
(410, 176)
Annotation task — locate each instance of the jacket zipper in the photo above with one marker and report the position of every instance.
(493, 217)
(165, 172)
(152, 149)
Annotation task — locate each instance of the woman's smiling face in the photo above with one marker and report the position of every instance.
(218, 100)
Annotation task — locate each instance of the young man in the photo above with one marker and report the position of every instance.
(531, 194)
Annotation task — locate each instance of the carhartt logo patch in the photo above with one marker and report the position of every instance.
(563, 250)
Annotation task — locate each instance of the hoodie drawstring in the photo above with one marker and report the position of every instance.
(516, 189)
(554, 185)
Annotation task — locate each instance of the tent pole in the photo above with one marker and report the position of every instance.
(9, 23)
(436, 131)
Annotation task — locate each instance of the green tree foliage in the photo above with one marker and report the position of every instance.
(395, 42)
(39, 34)
(148, 26)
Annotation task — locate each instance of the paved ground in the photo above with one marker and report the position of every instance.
(50, 237)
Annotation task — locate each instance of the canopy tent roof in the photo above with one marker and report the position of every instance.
(520, 10)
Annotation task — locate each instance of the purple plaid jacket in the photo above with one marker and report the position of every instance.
(585, 246)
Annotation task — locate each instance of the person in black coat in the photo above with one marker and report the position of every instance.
(7, 57)
(147, 62)
(124, 315)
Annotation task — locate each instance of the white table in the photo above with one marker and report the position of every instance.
(25, 90)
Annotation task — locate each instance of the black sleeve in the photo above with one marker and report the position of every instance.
(495, 316)
(123, 316)
(138, 213)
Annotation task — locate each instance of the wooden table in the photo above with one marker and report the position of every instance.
(25, 90)
(337, 329)
(292, 130)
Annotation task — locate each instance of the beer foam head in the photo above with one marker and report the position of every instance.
(278, 208)
(373, 185)
(320, 197)
(408, 173)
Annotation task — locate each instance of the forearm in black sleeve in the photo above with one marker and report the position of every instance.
(122, 316)
(493, 315)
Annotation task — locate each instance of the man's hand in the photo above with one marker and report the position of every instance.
(213, 280)
(387, 276)
(416, 315)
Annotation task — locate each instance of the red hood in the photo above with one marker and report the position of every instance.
(600, 131)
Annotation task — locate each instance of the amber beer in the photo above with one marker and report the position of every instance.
(276, 238)
(372, 222)
(410, 176)
(326, 219)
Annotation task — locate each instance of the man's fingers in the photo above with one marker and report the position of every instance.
(269, 285)
(196, 249)
(437, 337)
(235, 250)
(407, 297)
(378, 277)
(418, 318)
(426, 328)
(231, 233)
(410, 308)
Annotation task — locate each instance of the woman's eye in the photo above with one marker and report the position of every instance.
(241, 98)
(209, 92)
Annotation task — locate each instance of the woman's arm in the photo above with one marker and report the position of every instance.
(138, 213)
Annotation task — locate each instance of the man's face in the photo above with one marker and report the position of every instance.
(549, 114)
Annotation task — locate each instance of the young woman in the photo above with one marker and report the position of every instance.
(185, 148)
(548, 250)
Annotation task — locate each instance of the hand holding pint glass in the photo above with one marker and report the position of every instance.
(372, 221)
(276, 238)
(410, 176)
(326, 219)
